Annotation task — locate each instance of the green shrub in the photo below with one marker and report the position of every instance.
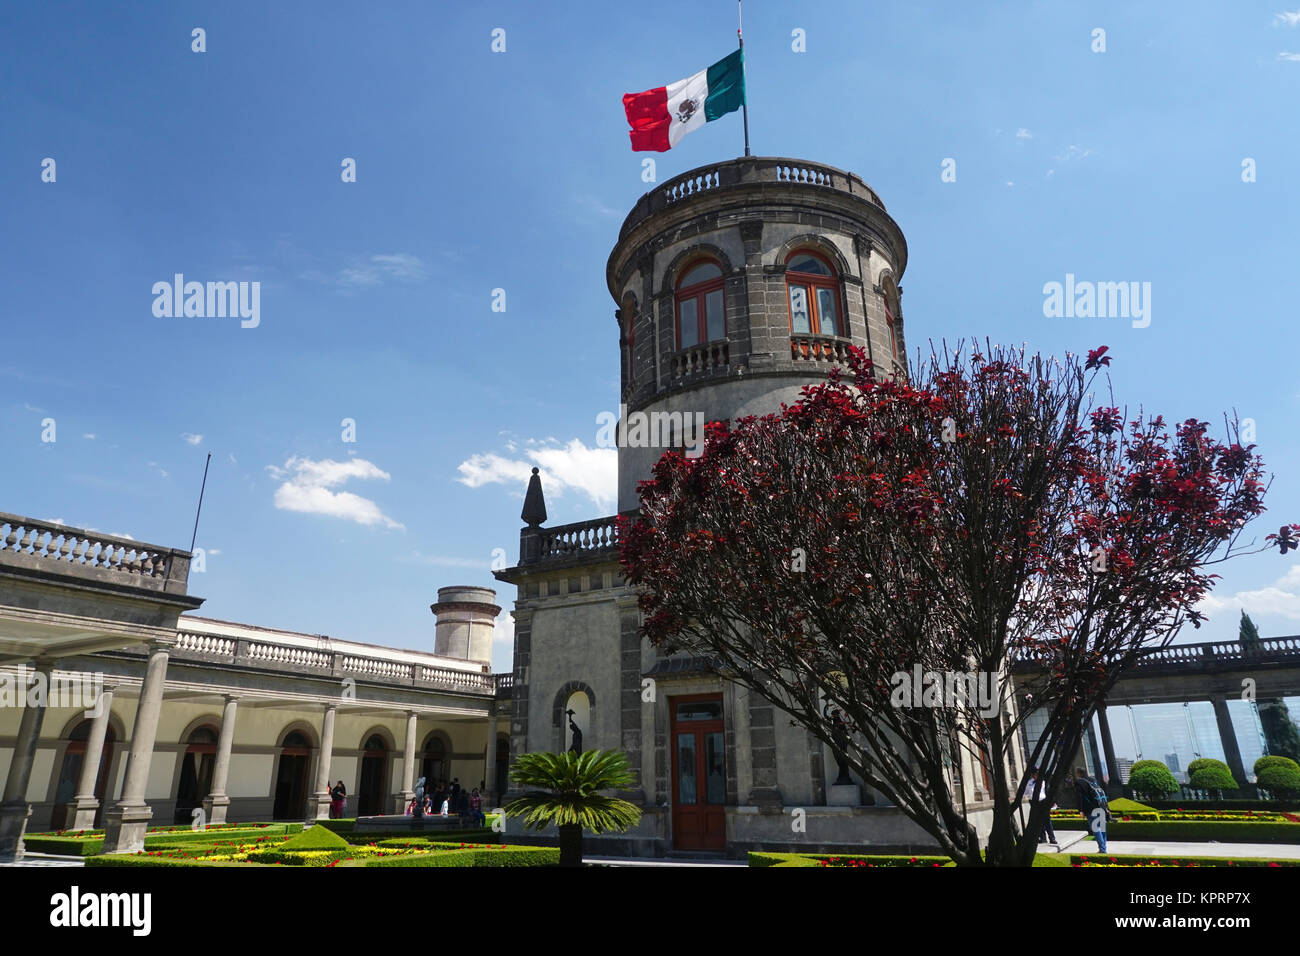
(1152, 777)
(1209, 774)
(1125, 805)
(1280, 779)
(1274, 761)
(316, 838)
(363, 837)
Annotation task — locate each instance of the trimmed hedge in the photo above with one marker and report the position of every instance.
(362, 837)
(93, 843)
(136, 859)
(1193, 831)
(1279, 779)
(883, 860)
(514, 856)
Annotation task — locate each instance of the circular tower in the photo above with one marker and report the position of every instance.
(466, 620)
(739, 283)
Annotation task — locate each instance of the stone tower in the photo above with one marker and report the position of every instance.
(466, 620)
(739, 283)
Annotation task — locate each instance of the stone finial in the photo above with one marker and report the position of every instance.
(534, 512)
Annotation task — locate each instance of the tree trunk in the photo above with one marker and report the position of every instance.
(570, 845)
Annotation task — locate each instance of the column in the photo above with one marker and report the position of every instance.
(85, 804)
(125, 824)
(490, 798)
(217, 801)
(1114, 784)
(407, 793)
(14, 808)
(322, 795)
(1228, 736)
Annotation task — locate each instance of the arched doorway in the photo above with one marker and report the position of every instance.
(196, 772)
(433, 762)
(503, 765)
(291, 778)
(74, 757)
(374, 766)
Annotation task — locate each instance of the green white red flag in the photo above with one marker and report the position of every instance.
(661, 117)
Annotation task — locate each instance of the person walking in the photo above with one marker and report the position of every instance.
(1093, 803)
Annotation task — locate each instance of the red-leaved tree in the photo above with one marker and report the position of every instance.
(981, 514)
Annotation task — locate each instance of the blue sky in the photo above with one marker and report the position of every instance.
(479, 171)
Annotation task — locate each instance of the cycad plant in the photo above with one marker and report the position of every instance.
(567, 796)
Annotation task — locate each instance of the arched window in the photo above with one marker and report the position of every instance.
(196, 772)
(890, 298)
(813, 294)
(700, 305)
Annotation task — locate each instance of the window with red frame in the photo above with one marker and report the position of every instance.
(700, 316)
(813, 295)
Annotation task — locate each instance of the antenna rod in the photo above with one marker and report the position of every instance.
(203, 488)
(744, 106)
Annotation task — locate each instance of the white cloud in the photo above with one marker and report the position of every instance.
(192, 439)
(504, 633)
(1292, 57)
(1073, 152)
(379, 268)
(1023, 133)
(161, 470)
(572, 467)
(449, 561)
(55, 521)
(1282, 598)
(307, 488)
(1290, 19)
(89, 435)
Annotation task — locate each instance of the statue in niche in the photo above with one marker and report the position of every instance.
(840, 742)
(576, 746)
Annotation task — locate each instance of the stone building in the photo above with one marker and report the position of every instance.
(119, 712)
(736, 284)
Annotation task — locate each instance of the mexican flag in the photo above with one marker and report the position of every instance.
(660, 117)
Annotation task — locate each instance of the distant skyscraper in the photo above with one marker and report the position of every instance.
(1124, 765)
(1171, 761)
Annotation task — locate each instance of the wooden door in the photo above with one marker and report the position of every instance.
(699, 773)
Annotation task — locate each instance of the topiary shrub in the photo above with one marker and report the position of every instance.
(1152, 778)
(1280, 780)
(1263, 763)
(315, 838)
(1209, 774)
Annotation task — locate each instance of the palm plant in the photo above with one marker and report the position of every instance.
(567, 796)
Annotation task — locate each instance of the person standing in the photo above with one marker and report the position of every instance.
(1038, 791)
(1093, 803)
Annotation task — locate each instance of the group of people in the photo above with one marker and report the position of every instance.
(446, 800)
(1093, 803)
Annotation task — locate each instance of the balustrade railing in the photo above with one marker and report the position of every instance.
(742, 171)
(584, 536)
(819, 348)
(1274, 649)
(700, 359)
(71, 549)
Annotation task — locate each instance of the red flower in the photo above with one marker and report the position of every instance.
(1095, 359)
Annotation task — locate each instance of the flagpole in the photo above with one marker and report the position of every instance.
(741, 37)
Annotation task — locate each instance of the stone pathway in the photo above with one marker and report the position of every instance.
(46, 859)
(660, 861)
(1273, 851)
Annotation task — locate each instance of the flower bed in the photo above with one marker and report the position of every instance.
(91, 842)
(1090, 861)
(287, 851)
